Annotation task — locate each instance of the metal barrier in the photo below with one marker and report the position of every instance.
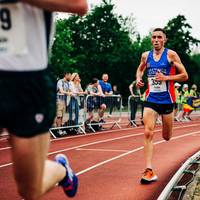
(73, 118)
(176, 184)
(89, 114)
(135, 105)
(101, 111)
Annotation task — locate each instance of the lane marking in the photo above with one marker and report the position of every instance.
(117, 130)
(58, 139)
(129, 152)
(97, 142)
(5, 165)
(109, 150)
(5, 148)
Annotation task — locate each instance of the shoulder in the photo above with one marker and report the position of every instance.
(101, 82)
(60, 81)
(144, 56)
(171, 54)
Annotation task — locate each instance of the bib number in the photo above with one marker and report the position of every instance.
(5, 18)
(157, 86)
(12, 30)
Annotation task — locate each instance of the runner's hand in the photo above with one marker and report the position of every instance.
(139, 83)
(160, 76)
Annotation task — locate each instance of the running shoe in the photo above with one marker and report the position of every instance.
(148, 176)
(70, 181)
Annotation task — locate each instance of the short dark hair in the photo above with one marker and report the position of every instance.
(159, 29)
(94, 80)
(66, 73)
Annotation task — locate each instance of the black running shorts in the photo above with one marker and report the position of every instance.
(161, 109)
(27, 102)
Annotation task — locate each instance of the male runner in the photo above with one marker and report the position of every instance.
(161, 65)
(28, 95)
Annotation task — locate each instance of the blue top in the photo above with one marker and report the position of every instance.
(160, 92)
(106, 87)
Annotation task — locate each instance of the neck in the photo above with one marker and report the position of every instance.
(158, 51)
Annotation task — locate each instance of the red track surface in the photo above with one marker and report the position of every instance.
(110, 164)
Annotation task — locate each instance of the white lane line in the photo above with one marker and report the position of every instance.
(88, 144)
(98, 142)
(117, 130)
(5, 165)
(5, 148)
(129, 152)
(93, 134)
(3, 139)
(109, 150)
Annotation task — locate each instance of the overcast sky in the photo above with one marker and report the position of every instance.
(156, 13)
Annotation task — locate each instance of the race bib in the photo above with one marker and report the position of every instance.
(12, 30)
(157, 86)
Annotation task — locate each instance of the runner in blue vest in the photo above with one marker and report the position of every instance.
(161, 64)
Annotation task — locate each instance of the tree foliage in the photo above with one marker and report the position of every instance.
(60, 58)
(180, 39)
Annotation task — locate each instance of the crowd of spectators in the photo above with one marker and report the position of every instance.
(70, 92)
(185, 98)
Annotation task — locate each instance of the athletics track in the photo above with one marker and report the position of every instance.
(109, 164)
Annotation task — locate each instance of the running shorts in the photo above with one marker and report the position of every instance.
(27, 102)
(161, 109)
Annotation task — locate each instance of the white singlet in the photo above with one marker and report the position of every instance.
(23, 42)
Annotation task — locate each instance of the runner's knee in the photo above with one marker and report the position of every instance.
(148, 134)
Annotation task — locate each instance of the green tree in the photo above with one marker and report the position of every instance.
(60, 58)
(180, 39)
(101, 43)
(195, 71)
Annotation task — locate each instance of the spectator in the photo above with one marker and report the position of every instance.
(106, 87)
(186, 107)
(193, 94)
(93, 101)
(134, 101)
(76, 89)
(63, 93)
(193, 91)
(177, 104)
(107, 91)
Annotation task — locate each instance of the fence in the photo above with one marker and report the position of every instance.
(135, 107)
(90, 114)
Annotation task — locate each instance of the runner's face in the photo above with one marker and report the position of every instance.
(158, 40)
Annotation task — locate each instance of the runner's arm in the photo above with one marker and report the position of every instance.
(141, 69)
(176, 61)
(79, 7)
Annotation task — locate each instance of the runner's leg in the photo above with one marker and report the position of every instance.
(34, 174)
(167, 124)
(149, 125)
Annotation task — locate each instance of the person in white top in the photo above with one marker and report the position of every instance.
(28, 94)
